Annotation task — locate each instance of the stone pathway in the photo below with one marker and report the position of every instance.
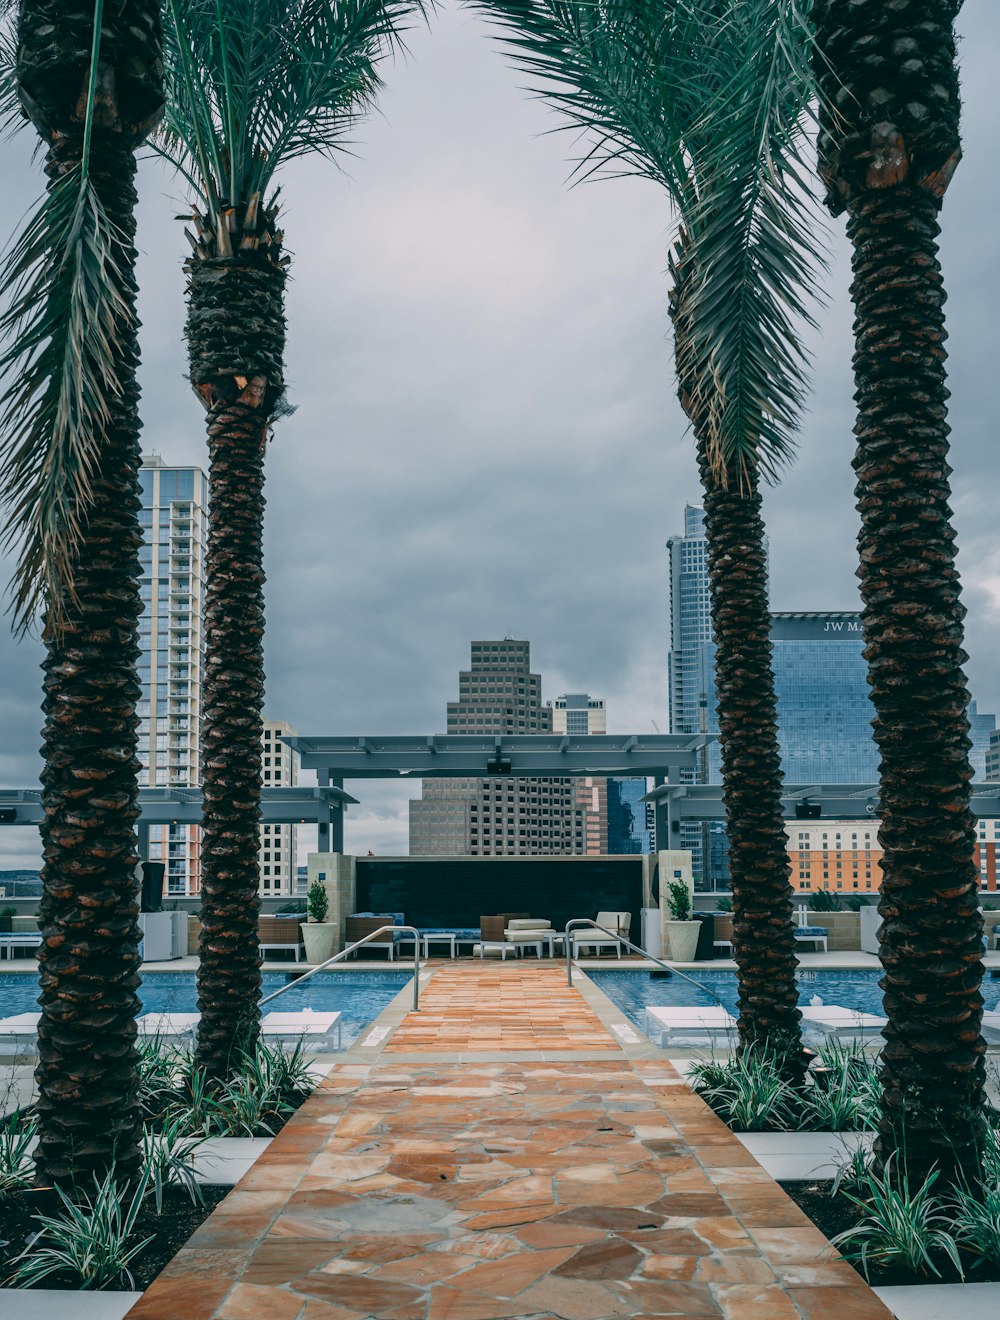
(417, 1188)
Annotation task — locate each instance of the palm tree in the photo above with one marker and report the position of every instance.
(252, 84)
(89, 77)
(887, 154)
(707, 100)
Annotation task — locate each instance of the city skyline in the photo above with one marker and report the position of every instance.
(486, 439)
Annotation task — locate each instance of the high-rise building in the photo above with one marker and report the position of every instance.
(993, 757)
(174, 521)
(630, 819)
(821, 687)
(279, 843)
(579, 714)
(982, 728)
(499, 816)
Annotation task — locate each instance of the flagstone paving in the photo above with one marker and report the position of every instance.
(420, 1188)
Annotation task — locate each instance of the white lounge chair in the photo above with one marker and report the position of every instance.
(991, 1026)
(679, 1026)
(313, 1030)
(8, 943)
(20, 1029)
(843, 1023)
(621, 922)
(172, 1028)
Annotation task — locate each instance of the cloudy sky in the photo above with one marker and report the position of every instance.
(486, 440)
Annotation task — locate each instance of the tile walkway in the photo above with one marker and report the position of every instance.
(418, 1188)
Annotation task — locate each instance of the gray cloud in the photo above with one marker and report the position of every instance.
(486, 440)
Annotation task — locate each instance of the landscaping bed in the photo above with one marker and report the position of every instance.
(169, 1230)
(834, 1214)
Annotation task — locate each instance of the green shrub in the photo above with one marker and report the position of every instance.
(679, 901)
(317, 902)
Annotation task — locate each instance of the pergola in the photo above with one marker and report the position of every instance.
(661, 757)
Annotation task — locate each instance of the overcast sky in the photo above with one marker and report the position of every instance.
(486, 440)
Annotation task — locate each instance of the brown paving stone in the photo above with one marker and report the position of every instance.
(379, 1251)
(448, 1304)
(821, 1274)
(616, 1218)
(669, 1297)
(549, 1233)
(511, 1218)
(669, 1241)
(614, 1258)
(748, 1301)
(669, 1267)
(356, 1292)
(194, 1298)
(251, 1301)
(428, 1267)
(857, 1303)
(510, 1274)
(791, 1244)
(683, 1204)
(730, 1268)
(490, 1246)
(317, 1310)
(572, 1299)
(220, 1263)
(277, 1262)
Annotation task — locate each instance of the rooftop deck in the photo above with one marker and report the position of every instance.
(504, 1155)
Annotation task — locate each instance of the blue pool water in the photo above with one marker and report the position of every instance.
(359, 996)
(634, 992)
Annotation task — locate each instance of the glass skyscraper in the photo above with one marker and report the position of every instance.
(821, 687)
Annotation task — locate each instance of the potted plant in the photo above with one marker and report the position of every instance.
(682, 932)
(318, 934)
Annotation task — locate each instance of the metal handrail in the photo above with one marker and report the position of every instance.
(339, 957)
(674, 971)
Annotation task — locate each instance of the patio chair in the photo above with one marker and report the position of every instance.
(621, 922)
(689, 1025)
(20, 1029)
(313, 1031)
(524, 932)
(828, 1021)
(492, 934)
(816, 935)
(171, 1028)
(281, 933)
(360, 924)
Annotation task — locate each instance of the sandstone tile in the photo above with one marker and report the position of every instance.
(193, 1298)
(251, 1301)
(510, 1274)
(317, 1310)
(572, 1299)
(549, 1233)
(669, 1267)
(220, 1262)
(447, 1304)
(733, 1268)
(428, 1267)
(511, 1218)
(857, 1303)
(791, 1244)
(748, 1301)
(823, 1274)
(614, 1258)
(669, 1297)
(356, 1292)
(278, 1262)
(490, 1246)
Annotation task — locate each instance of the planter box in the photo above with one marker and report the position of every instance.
(44, 1303)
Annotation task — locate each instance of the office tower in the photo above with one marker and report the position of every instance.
(498, 816)
(821, 687)
(982, 728)
(993, 757)
(630, 819)
(579, 714)
(278, 843)
(174, 521)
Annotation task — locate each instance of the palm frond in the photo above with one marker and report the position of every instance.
(11, 117)
(255, 83)
(711, 100)
(62, 329)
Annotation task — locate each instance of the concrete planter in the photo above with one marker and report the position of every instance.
(682, 940)
(319, 938)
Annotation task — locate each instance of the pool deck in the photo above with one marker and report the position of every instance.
(506, 1153)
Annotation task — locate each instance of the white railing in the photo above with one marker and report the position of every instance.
(345, 953)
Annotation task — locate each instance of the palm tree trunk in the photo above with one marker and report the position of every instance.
(236, 340)
(89, 960)
(931, 937)
(763, 939)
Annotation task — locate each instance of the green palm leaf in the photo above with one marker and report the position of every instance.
(256, 83)
(710, 99)
(62, 328)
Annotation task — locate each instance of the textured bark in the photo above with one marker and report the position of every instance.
(88, 1116)
(890, 69)
(89, 961)
(763, 938)
(235, 333)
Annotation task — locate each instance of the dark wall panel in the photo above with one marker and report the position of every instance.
(457, 892)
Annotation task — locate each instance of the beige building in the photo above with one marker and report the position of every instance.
(278, 843)
(498, 816)
(579, 714)
(174, 521)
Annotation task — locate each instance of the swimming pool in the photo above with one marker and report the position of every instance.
(359, 996)
(634, 992)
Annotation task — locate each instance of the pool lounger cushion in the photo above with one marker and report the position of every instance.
(678, 1023)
